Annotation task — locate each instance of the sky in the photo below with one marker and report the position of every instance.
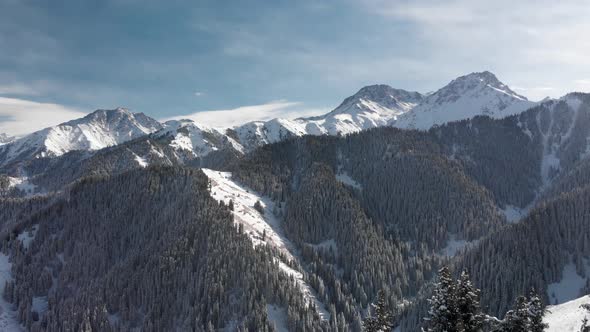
(227, 62)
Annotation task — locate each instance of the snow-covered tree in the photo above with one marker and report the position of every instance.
(443, 314)
(471, 318)
(383, 320)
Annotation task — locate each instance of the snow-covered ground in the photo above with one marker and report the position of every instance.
(262, 228)
(8, 318)
(514, 213)
(567, 317)
(27, 236)
(454, 245)
(278, 316)
(570, 285)
(346, 179)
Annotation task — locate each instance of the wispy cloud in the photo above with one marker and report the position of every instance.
(243, 114)
(199, 93)
(19, 116)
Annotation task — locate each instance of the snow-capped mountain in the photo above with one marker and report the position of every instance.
(372, 106)
(100, 129)
(465, 97)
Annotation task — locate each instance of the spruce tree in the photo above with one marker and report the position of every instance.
(383, 319)
(536, 312)
(443, 314)
(585, 324)
(516, 320)
(471, 318)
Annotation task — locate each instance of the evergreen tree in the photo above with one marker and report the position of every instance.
(383, 319)
(471, 318)
(443, 313)
(536, 311)
(516, 320)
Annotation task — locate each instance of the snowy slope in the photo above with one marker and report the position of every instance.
(567, 317)
(100, 129)
(262, 228)
(465, 97)
(196, 139)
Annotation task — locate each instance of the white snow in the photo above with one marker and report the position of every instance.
(513, 213)
(23, 184)
(278, 316)
(454, 245)
(40, 304)
(262, 228)
(141, 161)
(346, 179)
(100, 129)
(8, 316)
(567, 317)
(464, 98)
(570, 285)
(27, 236)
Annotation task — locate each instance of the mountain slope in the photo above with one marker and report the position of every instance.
(100, 129)
(465, 97)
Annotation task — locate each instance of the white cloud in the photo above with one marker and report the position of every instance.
(17, 89)
(19, 116)
(243, 114)
(199, 93)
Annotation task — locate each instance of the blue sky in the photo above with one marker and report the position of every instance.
(259, 59)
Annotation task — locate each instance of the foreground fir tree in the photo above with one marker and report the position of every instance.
(471, 319)
(536, 311)
(383, 319)
(443, 315)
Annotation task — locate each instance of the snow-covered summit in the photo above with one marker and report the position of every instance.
(372, 106)
(97, 130)
(196, 139)
(465, 97)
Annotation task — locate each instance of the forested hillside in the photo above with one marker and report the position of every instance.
(130, 236)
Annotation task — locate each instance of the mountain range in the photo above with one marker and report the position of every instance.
(118, 222)
(372, 106)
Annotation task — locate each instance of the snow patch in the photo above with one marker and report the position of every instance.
(346, 179)
(567, 317)
(278, 316)
(8, 316)
(570, 285)
(40, 304)
(27, 236)
(454, 245)
(513, 213)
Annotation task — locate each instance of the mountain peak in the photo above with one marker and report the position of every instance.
(479, 93)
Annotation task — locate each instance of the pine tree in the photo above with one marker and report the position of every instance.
(383, 319)
(516, 320)
(443, 316)
(536, 311)
(471, 318)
